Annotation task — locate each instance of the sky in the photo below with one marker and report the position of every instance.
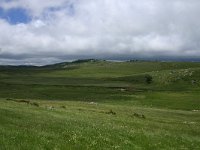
(37, 32)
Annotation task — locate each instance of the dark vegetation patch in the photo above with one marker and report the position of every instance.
(148, 78)
(141, 79)
(35, 104)
(19, 101)
(137, 115)
(24, 101)
(85, 61)
(64, 107)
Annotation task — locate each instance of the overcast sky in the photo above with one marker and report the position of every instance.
(48, 31)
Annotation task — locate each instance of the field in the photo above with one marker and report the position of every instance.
(94, 104)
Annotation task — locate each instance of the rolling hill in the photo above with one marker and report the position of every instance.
(92, 104)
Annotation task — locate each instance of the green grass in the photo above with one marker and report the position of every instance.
(101, 69)
(82, 125)
(101, 105)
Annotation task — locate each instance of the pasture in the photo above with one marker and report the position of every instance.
(94, 104)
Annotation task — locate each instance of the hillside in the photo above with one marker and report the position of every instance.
(91, 103)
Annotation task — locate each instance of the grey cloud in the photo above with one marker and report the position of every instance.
(102, 29)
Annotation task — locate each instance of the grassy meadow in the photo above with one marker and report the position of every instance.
(96, 104)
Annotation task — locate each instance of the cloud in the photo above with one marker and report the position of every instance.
(71, 29)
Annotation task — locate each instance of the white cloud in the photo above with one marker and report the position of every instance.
(102, 28)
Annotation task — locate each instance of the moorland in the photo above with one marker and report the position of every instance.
(98, 104)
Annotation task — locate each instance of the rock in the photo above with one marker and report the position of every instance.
(122, 90)
(92, 103)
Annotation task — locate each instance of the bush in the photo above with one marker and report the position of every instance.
(148, 78)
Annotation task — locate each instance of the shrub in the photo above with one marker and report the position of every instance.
(148, 78)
